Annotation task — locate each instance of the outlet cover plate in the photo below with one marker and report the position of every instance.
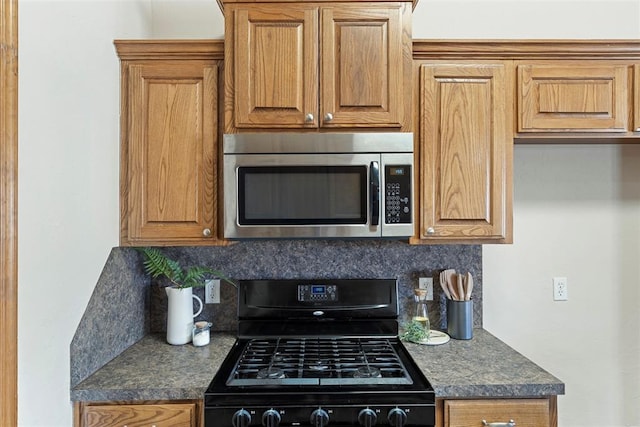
(560, 289)
(212, 291)
(426, 283)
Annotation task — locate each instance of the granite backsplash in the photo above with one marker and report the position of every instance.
(126, 304)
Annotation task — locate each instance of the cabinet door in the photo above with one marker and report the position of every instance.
(573, 98)
(275, 54)
(466, 146)
(171, 146)
(523, 412)
(158, 415)
(362, 66)
(636, 98)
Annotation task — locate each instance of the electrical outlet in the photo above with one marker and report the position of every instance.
(426, 283)
(212, 291)
(560, 289)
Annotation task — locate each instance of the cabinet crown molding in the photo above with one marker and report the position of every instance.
(526, 49)
(208, 49)
(221, 3)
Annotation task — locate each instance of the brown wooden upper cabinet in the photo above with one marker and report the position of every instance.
(317, 65)
(169, 142)
(465, 149)
(570, 97)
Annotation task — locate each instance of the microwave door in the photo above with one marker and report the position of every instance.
(302, 196)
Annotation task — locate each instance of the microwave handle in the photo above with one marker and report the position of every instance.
(374, 189)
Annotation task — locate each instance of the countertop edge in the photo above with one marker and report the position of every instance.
(107, 395)
(499, 391)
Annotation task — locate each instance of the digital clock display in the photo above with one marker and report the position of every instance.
(395, 171)
(318, 289)
(317, 293)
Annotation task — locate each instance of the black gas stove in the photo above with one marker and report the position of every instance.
(318, 353)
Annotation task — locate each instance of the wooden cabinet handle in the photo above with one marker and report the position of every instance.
(308, 118)
(431, 231)
(328, 117)
(511, 423)
(206, 232)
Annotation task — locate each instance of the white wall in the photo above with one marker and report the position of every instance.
(581, 200)
(68, 182)
(576, 215)
(542, 19)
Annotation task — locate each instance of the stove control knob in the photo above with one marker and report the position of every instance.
(367, 418)
(397, 417)
(271, 418)
(319, 418)
(241, 418)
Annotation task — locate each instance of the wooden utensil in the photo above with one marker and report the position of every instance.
(469, 280)
(443, 284)
(460, 280)
(451, 278)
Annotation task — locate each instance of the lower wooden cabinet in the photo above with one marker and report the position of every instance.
(138, 414)
(535, 412)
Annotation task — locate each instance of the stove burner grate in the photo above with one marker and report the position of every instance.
(367, 372)
(319, 361)
(271, 373)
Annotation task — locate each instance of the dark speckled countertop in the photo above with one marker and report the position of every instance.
(151, 369)
(482, 367)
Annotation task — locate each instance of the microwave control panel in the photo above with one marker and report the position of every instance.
(397, 197)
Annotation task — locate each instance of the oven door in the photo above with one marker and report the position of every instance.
(302, 195)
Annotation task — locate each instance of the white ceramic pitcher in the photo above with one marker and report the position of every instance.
(180, 314)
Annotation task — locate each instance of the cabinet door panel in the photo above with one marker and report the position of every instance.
(471, 413)
(172, 155)
(466, 149)
(636, 98)
(573, 98)
(168, 415)
(362, 66)
(276, 57)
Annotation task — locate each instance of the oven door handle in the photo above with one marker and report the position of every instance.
(374, 189)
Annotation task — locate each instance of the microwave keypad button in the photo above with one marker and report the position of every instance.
(397, 194)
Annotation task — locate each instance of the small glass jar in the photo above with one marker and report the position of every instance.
(201, 334)
(421, 313)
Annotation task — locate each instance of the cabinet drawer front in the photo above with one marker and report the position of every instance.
(168, 415)
(471, 413)
(573, 98)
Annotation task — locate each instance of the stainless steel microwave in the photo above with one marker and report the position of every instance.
(320, 185)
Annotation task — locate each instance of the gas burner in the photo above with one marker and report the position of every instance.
(318, 365)
(367, 372)
(271, 373)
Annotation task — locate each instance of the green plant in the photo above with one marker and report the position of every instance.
(414, 332)
(157, 264)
